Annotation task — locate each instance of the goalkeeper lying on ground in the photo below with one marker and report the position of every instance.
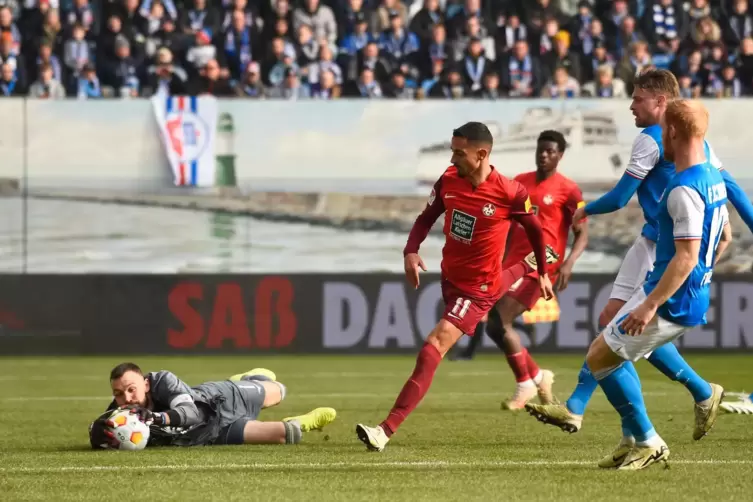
(211, 413)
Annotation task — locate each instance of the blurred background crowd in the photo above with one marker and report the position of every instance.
(412, 49)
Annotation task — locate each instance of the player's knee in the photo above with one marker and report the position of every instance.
(274, 393)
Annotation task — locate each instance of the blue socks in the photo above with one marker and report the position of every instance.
(583, 391)
(624, 393)
(669, 361)
(587, 385)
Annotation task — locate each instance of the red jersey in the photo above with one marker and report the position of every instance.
(554, 200)
(475, 226)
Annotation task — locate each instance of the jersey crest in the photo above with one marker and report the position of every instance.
(489, 210)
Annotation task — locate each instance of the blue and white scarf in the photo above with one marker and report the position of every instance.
(240, 50)
(665, 21)
(521, 71)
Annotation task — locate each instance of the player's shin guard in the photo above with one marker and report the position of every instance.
(668, 360)
(414, 389)
(293, 432)
(624, 393)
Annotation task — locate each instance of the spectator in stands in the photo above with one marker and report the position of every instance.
(614, 16)
(431, 77)
(45, 56)
(473, 31)
(664, 21)
(704, 35)
(8, 82)
(449, 87)
(250, 84)
(562, 55)
(358, 38)
(604, 85)
(521, 73)
(728, 86)
(490, 89)
(319, 17)
(307, 49)
(562, 85)
(326, 86)
(396, 40)
(12, 57)
(397, 87)
(120, 72)
(380, 18)
(237, 42)
(740, 23)
(88, 86)
(373, 59)
(211, 81)
(688, 89)
(47, 87)
(165, 77)
(626, 36)
(324, 64)
(543, 42)
(475, 66)
(290, 88)
(635, 61)
(425, 20)
(598, 57)
(82, 14)
(9, 29)
(366, 86)
(437, 48)
(510, 32)
(352, 14)
(538, 11)
(745, 65)
(199, 18)
(76, 54)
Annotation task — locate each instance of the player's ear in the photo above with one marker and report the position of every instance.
(482, 153)
(146, 384)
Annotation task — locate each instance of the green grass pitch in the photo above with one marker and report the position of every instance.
(458, 444)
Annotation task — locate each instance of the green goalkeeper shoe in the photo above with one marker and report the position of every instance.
(256, 371)
(314, 420)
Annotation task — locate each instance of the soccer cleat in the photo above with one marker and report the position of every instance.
(641, 457)
(618, 456)
(256, 371)
(520, 398)
(314, 420)
(373, 437)
(545, 388)
(705, 415)
(557, 415)
(551, 257)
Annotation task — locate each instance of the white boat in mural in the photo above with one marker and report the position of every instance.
(594, 152)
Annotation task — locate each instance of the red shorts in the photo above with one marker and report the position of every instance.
(526, 290)
(464, 311)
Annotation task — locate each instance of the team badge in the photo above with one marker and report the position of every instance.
(548, 199)
(489, 209)
(432, 196)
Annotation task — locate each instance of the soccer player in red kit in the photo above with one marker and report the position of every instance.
(479, 204)
(555, 199)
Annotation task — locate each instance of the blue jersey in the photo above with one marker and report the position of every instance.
(693, 207)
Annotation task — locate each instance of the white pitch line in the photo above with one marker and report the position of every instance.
(324, 395)
(336, 465)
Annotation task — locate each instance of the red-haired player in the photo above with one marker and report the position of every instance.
(555, 199)
(479, 204)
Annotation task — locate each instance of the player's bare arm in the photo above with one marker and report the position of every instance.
(580, 243)
(412, 262)
(725, 239)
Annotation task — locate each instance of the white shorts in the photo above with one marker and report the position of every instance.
(638, 262)
(632, 348)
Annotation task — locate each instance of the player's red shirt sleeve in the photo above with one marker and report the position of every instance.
(433, 210)
(574, 201)
(520, 210)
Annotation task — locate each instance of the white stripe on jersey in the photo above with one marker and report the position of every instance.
(643, 157)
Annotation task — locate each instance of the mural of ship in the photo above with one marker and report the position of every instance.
(594, 153)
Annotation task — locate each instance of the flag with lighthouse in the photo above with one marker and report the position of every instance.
(188, 127)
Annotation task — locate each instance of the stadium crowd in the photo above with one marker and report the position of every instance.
(446, 49)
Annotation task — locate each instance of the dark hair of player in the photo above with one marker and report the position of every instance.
(554, 137)
(474, 132)
(658, 81)
(123, 368)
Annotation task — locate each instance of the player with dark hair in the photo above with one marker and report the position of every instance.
(479, 205)
(555, 199)
(223, 412)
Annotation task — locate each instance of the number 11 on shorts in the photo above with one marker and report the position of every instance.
(461, 307)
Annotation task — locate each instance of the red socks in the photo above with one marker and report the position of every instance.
(519, 366)
(523, 366)
(414, 389)
(533, 368)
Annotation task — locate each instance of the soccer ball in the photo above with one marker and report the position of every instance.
(130, 432)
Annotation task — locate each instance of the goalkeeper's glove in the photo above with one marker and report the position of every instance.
(149, 417)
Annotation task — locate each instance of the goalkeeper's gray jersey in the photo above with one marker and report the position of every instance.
(206, 409)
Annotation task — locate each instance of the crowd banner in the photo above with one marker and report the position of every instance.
(363, 144)
(297, 314)
(188, 128)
